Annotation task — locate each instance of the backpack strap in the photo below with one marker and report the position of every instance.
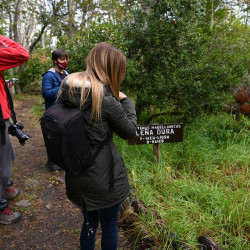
(102, 145)
(13, 114)
(66, 72)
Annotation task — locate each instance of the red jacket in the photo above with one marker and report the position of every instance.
(12, 54)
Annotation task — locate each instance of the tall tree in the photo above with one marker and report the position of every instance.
(16, 21)
(71, 18)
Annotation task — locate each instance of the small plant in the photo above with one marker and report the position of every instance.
(31, 197)
(52, 178)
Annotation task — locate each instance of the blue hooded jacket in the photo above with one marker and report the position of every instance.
(50, 86)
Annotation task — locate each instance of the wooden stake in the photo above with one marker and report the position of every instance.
(156, 149)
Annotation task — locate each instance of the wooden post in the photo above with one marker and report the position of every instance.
(156, 149)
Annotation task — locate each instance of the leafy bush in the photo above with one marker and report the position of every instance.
(39, 62)
(80, 46)
(177, 63)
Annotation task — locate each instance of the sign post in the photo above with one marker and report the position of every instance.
(156, 134)
(156, 150)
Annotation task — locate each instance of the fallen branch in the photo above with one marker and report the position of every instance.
(207, 243)
(132, 207)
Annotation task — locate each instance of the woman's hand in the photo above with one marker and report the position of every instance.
(121, 95)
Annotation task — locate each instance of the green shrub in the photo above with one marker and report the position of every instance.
(39, 62)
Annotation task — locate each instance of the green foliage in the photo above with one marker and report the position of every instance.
(2, 31)
(38, 64)
(201, 186)
(178, 63)
(81, 45)
(183, 57)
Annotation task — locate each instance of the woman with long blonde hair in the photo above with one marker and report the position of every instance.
(100, 190)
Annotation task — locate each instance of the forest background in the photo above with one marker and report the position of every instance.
(187, 61)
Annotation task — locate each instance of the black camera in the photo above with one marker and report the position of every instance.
(16, 130)
(12, 80)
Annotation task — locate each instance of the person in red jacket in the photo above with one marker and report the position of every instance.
(12, 54)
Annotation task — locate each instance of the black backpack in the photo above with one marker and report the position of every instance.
(66, 140)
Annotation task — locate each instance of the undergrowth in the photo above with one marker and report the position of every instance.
(201, 186)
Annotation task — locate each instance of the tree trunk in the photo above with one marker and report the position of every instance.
(10, 26)
(127, 7)
(32, 46)
(138, 106)
(71, 20)
(11, 70)
(16, 20)
(212, 15)
(16, 35)
(43, 40)
(30, 30)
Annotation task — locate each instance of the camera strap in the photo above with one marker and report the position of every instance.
(13, 115)
(2, 127)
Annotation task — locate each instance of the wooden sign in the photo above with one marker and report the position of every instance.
(158, 133)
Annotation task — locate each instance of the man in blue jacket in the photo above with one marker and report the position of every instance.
(54, 76)
(51, 83)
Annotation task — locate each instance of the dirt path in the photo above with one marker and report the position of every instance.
(51, 222)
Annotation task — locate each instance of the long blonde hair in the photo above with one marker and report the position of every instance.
(106, 65)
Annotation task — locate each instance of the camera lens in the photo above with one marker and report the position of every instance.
(16, 130)
(21, 136)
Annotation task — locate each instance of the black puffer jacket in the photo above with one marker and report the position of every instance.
(90, 189)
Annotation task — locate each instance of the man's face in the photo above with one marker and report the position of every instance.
(61, 59)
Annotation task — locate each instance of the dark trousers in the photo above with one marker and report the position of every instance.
(7, 156)
(108, 218)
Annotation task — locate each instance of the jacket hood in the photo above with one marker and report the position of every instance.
(75, 100)
(54, 71)
(50, 70)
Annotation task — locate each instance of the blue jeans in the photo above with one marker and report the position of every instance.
(109, 219)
